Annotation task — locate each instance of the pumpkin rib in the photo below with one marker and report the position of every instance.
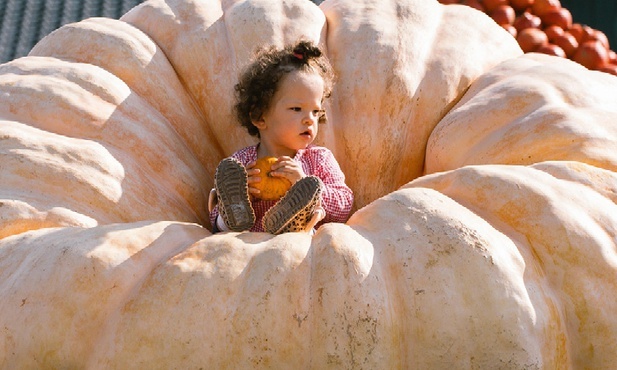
(602, 181)
(536, 94)
(99, 186)
(118, 127)
(109, 37)
(562, 230)
(103, 271)
(257, 276)
(166, 247)
(155, 19)
(19, 216)
(141, 65)
(52, 161)
(438, 250)
(397, 89)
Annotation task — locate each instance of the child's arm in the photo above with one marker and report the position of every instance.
(336, 197)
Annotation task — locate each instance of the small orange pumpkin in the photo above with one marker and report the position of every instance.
(270, 187)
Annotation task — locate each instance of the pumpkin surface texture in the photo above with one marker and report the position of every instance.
(485, 225)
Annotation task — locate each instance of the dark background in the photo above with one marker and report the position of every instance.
(599, 14)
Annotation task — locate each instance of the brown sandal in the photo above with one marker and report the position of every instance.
(295, 209)
(230, 181)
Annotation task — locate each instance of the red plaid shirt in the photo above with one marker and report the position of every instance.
(336, 197)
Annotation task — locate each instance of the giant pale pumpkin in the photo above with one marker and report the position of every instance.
(486, 225)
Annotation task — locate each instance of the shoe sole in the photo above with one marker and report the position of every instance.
(232, 189)
(300, 198)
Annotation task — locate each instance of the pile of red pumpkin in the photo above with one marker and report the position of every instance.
(544, 26)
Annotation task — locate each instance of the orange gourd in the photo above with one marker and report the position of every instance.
(270, 187)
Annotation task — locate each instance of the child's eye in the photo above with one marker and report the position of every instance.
(296, 109)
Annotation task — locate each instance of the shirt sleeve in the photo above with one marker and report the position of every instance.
(336, 197)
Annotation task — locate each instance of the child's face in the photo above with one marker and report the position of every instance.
(291, 122)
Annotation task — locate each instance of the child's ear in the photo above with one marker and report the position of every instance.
(259, 123)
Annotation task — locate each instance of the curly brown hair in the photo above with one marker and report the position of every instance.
(261, 79)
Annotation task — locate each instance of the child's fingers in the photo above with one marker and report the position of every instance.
(251, 172)
(281, 162)
(289, 174)
(253, 179)
(287, 167)
(318, 215)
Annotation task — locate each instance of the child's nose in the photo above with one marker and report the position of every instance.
(310, 118)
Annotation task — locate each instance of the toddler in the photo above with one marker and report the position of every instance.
(279, 99)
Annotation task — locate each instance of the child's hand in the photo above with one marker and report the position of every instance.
(318, 214)
(288, 168)
(254, 176)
